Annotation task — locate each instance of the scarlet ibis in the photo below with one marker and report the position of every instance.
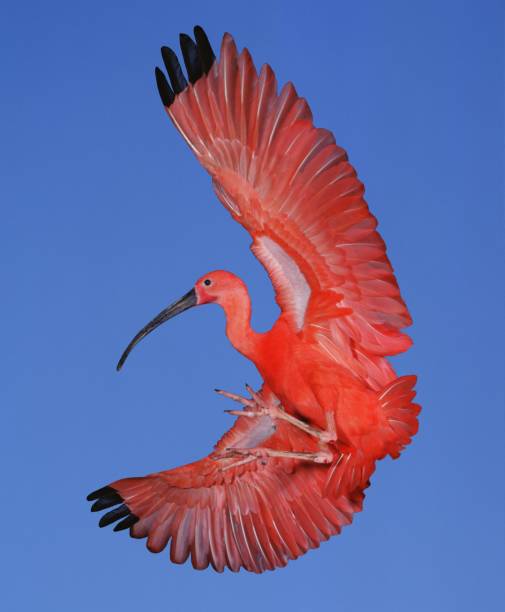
(292, 469)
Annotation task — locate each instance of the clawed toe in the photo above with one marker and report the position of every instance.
(236, 398)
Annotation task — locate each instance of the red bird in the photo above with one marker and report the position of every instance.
(292, 470)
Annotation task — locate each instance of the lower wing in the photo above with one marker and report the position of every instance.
(257, 515)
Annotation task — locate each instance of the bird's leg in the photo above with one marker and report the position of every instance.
(256, 407)
(237, 463)
(262, 454)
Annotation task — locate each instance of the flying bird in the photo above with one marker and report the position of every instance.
(291, 471)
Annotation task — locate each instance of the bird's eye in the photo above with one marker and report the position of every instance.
(207, 282)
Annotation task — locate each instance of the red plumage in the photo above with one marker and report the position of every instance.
(292, 470)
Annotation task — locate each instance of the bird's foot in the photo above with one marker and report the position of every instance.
(248, 403)
(256, 407)
(262, 454)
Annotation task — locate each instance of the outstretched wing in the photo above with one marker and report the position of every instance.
(257, 516)
(293, 189)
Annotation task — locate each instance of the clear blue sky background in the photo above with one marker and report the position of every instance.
(106, 217)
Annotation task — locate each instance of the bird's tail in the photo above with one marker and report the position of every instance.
(400, 412)
(353, 468)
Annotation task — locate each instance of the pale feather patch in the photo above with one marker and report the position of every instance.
(287, 278)
(264, 428)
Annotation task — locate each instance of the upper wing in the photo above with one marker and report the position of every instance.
(293, 189)
(257, 516)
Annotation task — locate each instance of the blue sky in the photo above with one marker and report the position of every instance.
(107, 217)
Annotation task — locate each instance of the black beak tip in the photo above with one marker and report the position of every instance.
(121, 363)
(187, 301)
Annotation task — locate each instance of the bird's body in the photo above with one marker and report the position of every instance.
(307, 382)
(292, 470)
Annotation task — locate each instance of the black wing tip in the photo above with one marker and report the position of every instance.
(102, 492)
(107, 497)
(185, 38)
(191, 58)
(126, 523)
(198, 59)
(166, 94)
(120, 512)
(106, 501)
(166, 50)
(177, 78)
(205, 51)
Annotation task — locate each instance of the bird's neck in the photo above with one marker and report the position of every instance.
(238, 324)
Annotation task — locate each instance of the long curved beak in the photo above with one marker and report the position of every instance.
(187, 301)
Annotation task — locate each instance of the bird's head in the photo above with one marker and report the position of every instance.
(218, 287)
